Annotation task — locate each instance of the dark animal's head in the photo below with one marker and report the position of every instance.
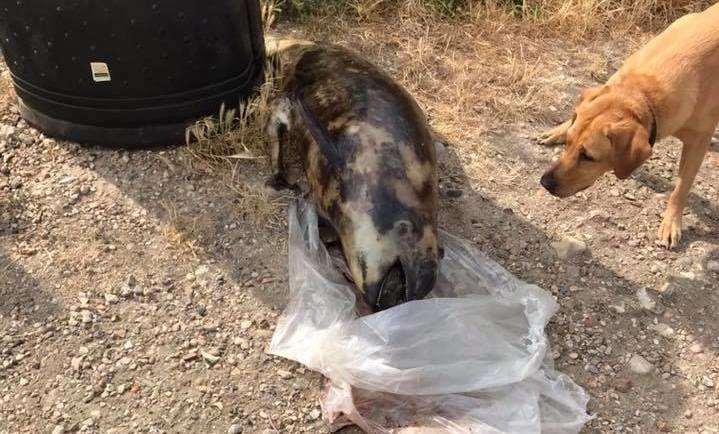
(389, 232)
(392, 266)
(608, 133)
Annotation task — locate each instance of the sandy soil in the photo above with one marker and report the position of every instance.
(138, 292)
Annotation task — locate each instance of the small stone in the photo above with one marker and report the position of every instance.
(569, 247)
(667, 289)
(645, 300)
(192, 355)
(111, 298)
(125, 292)
(688, 414)
(201, 309)
(235, 429)
(210, 358)
(618, 308)
(663, 330)
(59, 429)
(622, 384)
(285, 375)
(76, 363)
(708, 382)
(6, 131)
(713, 266)
(573, 356)
(663, 426)
(688, 275)
(315, 414)
(84, 299)
(245, 324)
(696, 348)
(598, 215)
(242, 343)
(640, 365)
(86, 316)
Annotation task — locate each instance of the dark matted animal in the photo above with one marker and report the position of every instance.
(370, 167)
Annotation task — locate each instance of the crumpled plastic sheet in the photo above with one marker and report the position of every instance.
(471, 358)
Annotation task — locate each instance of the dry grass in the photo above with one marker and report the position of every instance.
(235, 134)
(582, 17)
(181, 232)
(570, 17)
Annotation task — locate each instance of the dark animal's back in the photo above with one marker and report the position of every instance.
(341, 92)
(371, 171)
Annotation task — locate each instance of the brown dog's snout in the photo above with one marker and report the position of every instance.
(549, 183)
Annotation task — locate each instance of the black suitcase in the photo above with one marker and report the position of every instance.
(129, 72)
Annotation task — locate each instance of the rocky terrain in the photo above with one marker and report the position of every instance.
(139, 289)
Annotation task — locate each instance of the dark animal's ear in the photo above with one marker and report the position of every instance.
(630, 146)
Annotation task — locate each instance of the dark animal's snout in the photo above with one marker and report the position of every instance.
(549, 183)
(405, 281)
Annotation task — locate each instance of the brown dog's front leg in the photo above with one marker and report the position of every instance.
(555, 136)
(693, 151)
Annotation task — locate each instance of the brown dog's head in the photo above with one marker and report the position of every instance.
(608, 132)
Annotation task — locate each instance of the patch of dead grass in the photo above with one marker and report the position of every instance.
(181, 232)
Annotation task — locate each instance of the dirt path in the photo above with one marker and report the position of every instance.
(137, 294)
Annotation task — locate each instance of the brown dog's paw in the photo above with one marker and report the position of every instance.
(555, 136)
(670, 231)
(547, 138)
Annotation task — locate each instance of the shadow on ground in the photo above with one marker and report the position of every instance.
(21, 296)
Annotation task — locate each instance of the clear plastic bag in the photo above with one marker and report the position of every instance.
(472, 358)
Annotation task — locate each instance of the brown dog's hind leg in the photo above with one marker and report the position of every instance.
(693, 151)
(556, 135)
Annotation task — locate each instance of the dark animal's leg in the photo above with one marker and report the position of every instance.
(278, 128)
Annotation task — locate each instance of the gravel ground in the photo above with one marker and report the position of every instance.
(138, 295)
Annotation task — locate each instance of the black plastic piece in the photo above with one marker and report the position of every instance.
(169, 61)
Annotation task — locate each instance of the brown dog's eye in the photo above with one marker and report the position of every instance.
(584, 156)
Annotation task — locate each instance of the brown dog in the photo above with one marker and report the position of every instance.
(670, 87)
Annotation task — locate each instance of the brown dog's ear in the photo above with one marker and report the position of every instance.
(631, 148)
